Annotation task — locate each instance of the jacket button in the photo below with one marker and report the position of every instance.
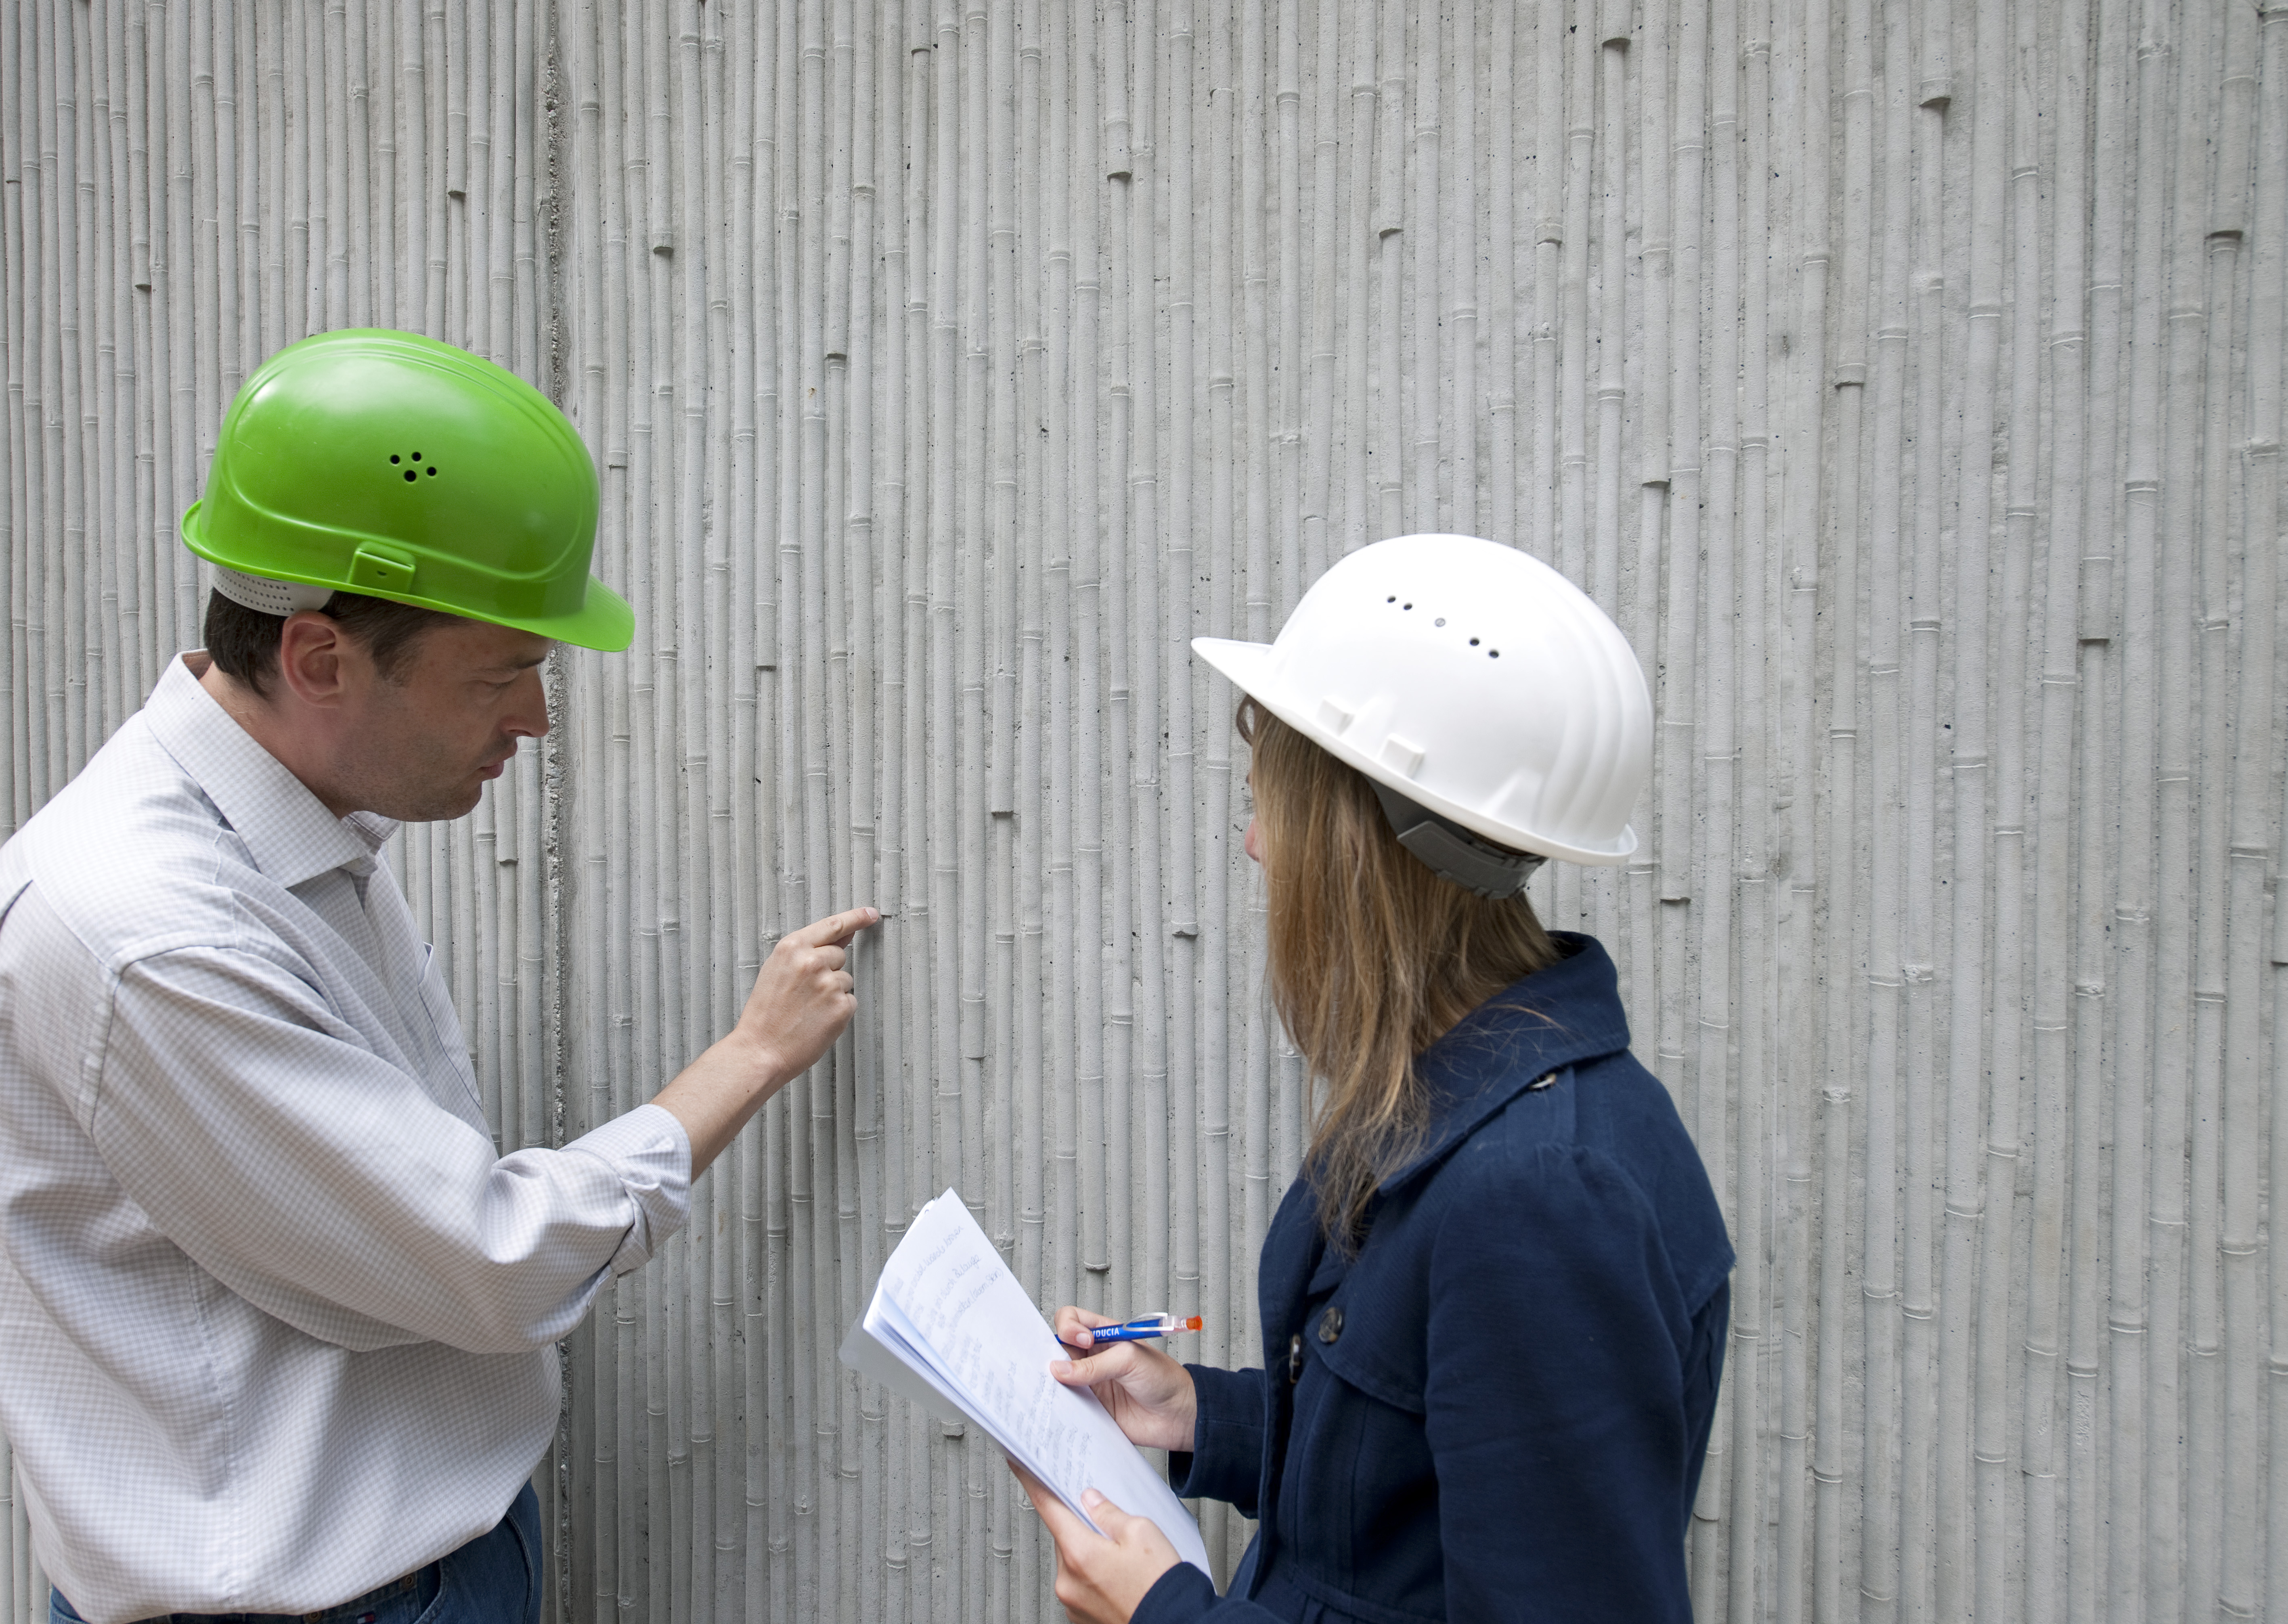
(1331, 1324)
(1294, 1359)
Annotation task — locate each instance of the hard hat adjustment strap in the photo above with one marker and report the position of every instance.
(265, 596)
(1453, 853)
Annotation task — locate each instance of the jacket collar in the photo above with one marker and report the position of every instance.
(1558, 1017)
(289, 833)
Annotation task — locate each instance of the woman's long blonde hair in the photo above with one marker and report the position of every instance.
(1372, 958)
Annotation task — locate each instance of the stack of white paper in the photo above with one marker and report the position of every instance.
(946, 1311)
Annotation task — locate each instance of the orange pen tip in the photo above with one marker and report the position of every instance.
(1193, 1324)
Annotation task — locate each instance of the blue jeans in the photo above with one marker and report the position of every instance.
(494, 1579)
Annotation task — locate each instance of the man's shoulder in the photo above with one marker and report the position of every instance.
(131, 857)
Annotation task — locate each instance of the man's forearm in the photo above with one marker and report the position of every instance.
(715, 1095)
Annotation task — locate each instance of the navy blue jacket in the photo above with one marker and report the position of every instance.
(1498, 1410)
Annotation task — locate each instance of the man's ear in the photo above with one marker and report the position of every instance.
(312, 651)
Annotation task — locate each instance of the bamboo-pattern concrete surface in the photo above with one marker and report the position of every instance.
(1905, 376)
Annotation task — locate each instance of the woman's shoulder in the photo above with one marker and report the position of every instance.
(1599, 1142)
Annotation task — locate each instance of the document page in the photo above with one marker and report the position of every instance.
(948, 1307)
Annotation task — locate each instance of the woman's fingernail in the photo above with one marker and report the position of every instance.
(1091, 1498)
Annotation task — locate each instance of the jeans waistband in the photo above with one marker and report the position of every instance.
(343, 1612)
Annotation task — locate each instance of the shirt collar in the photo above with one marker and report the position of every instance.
(1557, 1017)
(288, 831)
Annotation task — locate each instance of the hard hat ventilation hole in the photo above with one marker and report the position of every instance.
(1493, 654)
(1406, 605)
(432, 470)
(394, 457)
(416, 457)
(412, 474)
(1440, 620)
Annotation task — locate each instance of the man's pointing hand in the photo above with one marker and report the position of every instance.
(802, 1002)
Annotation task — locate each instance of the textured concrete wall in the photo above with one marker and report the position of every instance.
(1904, 375)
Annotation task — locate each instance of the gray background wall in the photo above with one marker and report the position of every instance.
(1905, 376)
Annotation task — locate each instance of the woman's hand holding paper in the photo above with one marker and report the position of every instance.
(1102, 1578)
(1148, 1393)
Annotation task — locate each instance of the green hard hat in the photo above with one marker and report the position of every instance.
(389, 465)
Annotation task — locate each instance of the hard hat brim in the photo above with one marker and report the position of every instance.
(1250, 668)
(603, 620)
(606, 622)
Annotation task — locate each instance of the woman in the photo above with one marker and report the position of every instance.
(1494, 1303)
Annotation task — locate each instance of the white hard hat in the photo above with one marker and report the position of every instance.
(1474, 681)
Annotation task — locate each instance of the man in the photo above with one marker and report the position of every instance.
(275, 1322)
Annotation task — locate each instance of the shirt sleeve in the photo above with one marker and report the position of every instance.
(327, 1187)
(1556, 1402)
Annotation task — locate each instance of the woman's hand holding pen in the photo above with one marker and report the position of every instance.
(1148, 1394)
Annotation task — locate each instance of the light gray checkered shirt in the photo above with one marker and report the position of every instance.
(275, 1321)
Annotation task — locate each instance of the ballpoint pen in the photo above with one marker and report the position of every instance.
(1158, 1324)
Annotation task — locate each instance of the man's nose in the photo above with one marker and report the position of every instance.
(528, 718)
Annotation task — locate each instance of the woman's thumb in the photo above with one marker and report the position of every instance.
(1105, 1515)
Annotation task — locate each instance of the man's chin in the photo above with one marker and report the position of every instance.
(440, 807)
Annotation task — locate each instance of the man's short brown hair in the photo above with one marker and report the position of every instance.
(243, 641)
